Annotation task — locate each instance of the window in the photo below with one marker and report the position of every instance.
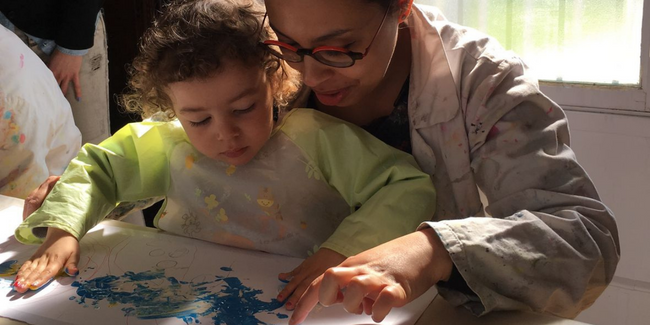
(587, 53)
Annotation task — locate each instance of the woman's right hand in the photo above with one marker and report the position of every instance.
(35, 199)
(381, 278)
(58, 250)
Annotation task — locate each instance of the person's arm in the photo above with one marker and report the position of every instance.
(551, 245)
(128, 166)
(75, 34)
(59, 249)
(376, 280)
(76, 23)
(391, 194)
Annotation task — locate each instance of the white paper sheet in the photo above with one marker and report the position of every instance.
(136, 275)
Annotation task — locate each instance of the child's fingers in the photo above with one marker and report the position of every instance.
(39, 272)
(71, 265)
(24, 268)
(27, 274)
(19, 283)
(297, 294)
(71, 270)
(59, 248)
(41, 285)
(288, 289)
(286, 277)
(291, 281)
(28, 269)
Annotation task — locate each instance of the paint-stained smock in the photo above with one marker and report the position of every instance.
(479, 122)
(318, 180)
(38, 135)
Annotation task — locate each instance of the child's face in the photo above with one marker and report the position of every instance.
(228, 116)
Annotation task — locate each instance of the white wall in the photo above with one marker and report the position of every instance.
(615, 151)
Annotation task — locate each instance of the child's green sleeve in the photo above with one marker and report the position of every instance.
(129, 166)
(393, 195)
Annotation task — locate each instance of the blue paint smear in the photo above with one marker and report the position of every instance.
(227, 269)
(152, 295)
(6, 268)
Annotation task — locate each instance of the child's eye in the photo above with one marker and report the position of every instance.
(201, 123)
(244, 111)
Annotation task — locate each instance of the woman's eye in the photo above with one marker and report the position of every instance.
(348, 46)
(290, 42)
(200, 123)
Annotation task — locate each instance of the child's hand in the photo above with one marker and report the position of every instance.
(305, 273)
(59, 249)
(389, 275)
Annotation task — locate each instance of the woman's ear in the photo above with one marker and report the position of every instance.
(404, 9)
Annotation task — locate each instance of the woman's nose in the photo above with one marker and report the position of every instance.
(313, 72)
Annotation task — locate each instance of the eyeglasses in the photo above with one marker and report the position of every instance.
(332, 56)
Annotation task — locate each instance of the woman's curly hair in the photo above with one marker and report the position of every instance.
(193, 39)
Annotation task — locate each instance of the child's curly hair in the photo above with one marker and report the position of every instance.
(191, 40)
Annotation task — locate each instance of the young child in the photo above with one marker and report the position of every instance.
(230, 172)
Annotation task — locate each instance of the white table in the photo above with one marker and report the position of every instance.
(438, 312)
(441, 312)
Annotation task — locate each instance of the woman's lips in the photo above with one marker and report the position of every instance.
(234, 153)
(332, 98)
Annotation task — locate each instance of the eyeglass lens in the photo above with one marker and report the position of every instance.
(328, 57)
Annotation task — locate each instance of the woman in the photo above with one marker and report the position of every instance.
(475, 119)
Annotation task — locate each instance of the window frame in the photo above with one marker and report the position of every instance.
(626, 100)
